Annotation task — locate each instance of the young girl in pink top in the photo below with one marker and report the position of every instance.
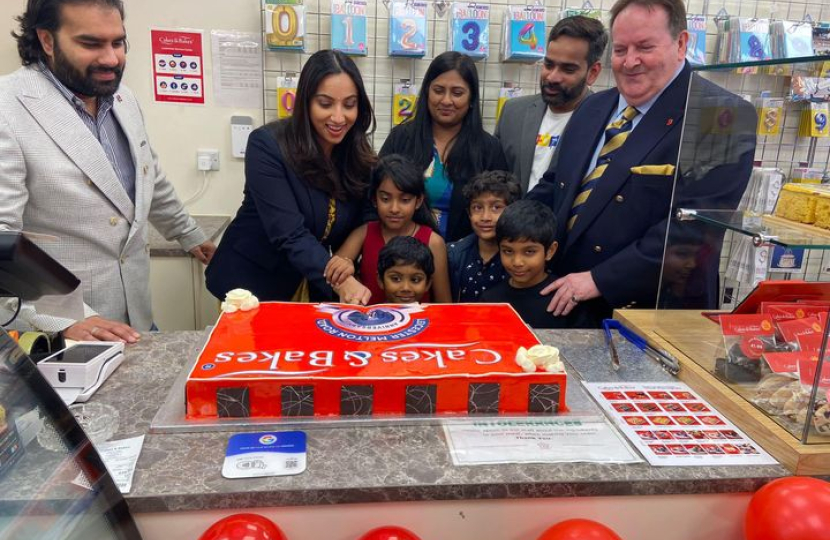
(397, 191)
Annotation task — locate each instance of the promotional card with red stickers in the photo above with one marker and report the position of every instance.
(670, 425)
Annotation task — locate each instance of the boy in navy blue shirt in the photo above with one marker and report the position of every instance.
(526, 236)
(405, 270)
(473, 261)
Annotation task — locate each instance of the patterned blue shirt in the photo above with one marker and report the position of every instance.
(470, 276)
(106, 129)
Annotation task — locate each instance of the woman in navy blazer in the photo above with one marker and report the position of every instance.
(305, 182)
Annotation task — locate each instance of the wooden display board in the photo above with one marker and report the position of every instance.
(698, 337)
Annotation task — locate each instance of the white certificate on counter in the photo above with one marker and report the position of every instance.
(537, 440)
(671, 426)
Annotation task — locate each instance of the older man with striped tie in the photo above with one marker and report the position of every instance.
(612, 188)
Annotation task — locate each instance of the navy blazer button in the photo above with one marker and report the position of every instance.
(598, 249)
(562, 185)
(619, 198)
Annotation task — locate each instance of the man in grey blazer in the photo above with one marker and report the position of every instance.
(530, 126)
(76, 163)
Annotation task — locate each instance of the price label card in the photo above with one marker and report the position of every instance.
(272, 453)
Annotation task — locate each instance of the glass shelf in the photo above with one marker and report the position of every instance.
(761, 63)
(763, 229)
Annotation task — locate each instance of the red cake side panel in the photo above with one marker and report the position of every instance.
(541, 393)
(286, 359)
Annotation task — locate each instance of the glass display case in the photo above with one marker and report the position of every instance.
(53, 483)
(758, 257)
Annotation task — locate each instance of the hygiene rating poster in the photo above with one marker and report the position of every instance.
(670, 425)
(178, 69)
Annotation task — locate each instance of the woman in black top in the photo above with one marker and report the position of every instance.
(445, 137)
(305, 182)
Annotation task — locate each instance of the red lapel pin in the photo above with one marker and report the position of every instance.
(670, 121)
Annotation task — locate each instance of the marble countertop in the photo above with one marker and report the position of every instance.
(213, 226)
(383, 462)
(386, 462)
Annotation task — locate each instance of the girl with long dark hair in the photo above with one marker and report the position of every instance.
(305, 182)
(446, 139)
(398, 194)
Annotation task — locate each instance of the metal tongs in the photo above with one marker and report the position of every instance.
(666, 360)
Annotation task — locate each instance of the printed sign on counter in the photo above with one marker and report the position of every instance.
(670, 425)
(178, 74)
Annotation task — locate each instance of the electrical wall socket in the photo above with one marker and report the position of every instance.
(207, 160)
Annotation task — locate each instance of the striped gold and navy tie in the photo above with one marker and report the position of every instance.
(615, 135)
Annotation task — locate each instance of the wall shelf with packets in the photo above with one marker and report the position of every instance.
(788, 160)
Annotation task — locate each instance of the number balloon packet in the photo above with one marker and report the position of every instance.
(696, 50)
(408, 28)
(403, 102)
(284, 25)
(814, 120)
(286, 95)
(469, 29)
(524, 34)
(348, 27)
(506, 93)
(742, 39)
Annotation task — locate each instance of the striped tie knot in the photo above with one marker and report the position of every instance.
(615, 135)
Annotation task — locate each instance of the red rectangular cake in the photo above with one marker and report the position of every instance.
(286, 359)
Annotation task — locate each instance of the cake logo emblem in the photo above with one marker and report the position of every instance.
(268, 439)
(382, 323)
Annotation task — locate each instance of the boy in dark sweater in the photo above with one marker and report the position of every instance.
(473, 261)
(526, 233)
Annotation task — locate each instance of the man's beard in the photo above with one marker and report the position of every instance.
(566, 95)
(84, 84)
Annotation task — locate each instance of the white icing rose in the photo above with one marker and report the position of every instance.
(523, 361)
(229, 308)
(239, 299)
(545, 357)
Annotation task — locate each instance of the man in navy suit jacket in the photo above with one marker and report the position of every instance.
(611, 256)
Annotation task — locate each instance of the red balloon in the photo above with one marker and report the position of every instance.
(243, 527)
(389, 533)
(579, 529)
(794, 508)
